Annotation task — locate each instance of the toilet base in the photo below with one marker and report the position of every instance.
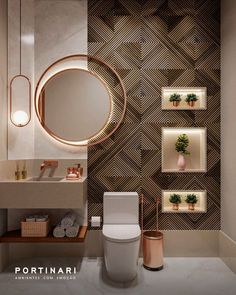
(121, 259)
(153, 268)
(120, 279)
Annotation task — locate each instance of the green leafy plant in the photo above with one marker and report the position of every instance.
(191, 97)
(175, 199)
(175, 97)
(181, 144)
(191, 199)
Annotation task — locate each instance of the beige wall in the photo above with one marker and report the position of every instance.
(51, 19)
(227, 250)
(228, 141)
(42, 44)
(3, 79)
(20, 140)
(3, 120)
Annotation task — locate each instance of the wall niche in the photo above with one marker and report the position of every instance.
(196, 161)
(200, 206)
(182, 104)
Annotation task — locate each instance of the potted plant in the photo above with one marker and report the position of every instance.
(181, 147)
(191, 99)
(191, 200)
(175, 199)
(175, 98)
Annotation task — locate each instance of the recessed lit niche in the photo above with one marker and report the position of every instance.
(199, 207)
(195, 158)
(184, 98)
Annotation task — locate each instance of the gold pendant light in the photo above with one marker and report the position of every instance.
(20, 117)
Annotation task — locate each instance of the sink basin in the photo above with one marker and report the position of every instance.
(46, 192)
(42, 179)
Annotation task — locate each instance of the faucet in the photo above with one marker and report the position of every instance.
(52, 164)
(49, 164)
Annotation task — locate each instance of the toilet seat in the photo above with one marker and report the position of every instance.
(121, 232)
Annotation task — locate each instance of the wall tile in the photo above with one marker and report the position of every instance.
(154, 44)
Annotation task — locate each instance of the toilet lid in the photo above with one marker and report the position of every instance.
(121, 232)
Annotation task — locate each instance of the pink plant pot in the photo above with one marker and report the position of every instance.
(181, 163)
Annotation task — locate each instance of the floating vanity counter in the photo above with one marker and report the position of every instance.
(42, 193)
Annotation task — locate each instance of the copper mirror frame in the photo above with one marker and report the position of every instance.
(105, 73)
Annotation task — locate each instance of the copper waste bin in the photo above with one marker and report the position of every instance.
(153, 250)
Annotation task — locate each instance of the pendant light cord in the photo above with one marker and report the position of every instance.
(20, 37)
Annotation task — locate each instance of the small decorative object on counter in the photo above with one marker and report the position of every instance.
(74, 173)
(191, 99)
(181, 147)
(17, 172)
(79, 170)
(175, 98)
(175, 199)
(191, 200)
(24, 171)
(35, 226)
(71, 174)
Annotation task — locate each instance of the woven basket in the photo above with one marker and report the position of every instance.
(35, 228)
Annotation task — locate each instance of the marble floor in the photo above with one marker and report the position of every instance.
(185, 276)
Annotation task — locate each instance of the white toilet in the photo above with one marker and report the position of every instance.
(121, 234)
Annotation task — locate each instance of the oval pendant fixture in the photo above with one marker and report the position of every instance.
(20, 94)
(18, 116)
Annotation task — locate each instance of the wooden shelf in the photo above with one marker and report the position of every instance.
(15, 237)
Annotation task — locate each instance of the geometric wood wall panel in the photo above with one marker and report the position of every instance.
(155, 44)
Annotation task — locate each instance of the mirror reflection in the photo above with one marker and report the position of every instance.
(74, 104)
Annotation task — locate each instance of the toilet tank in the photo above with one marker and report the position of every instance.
(120, 208)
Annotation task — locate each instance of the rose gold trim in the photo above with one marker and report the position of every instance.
(41, 105)
(142, 216)
(152, 243)
(11, 95)
(153, 250)
(88, 57)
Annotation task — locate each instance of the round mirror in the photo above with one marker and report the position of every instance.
(75, 104)
(80, 103)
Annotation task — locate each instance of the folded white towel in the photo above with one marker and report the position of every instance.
(59, 231)
(69, 219)
(72, 231)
